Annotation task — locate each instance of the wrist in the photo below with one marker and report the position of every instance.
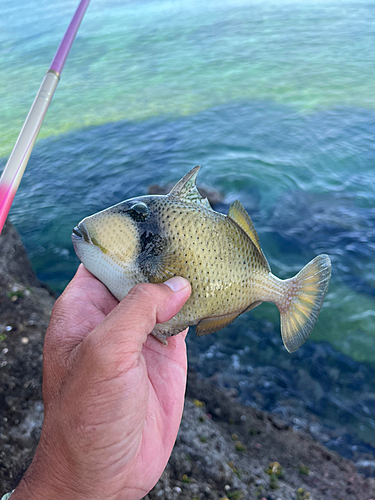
(32, 488)
(42, 482)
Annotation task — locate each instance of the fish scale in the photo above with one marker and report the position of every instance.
(153, 238)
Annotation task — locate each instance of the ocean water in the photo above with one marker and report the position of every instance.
(275, 99)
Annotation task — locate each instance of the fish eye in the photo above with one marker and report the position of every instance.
(139, 212)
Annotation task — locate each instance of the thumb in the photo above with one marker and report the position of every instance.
(126, 328)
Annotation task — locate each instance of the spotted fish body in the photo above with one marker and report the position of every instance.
(153, 238)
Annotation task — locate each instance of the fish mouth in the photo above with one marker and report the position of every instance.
(80, 233)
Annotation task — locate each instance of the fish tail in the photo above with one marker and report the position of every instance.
(301, 301)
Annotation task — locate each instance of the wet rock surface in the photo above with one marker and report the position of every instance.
(223, 451)
(226, 451)
(25, 307)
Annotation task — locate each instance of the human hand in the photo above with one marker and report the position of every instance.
(113, 395)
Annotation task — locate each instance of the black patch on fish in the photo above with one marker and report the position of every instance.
(152, 244)
(153, 256)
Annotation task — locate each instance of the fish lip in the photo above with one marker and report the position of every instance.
(80, 233)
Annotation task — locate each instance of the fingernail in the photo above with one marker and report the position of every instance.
(177, 283)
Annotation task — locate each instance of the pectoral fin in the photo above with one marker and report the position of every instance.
(158, 268)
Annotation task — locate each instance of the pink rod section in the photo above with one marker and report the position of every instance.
(7, 195)
(63, 51)
(17, 162)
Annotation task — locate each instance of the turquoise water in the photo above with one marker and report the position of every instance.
(135, 60)
(276, 101)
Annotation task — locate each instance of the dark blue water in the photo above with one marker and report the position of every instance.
(306, 181)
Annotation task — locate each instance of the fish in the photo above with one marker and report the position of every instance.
(149, 239)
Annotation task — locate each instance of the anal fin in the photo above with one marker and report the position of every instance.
(210, 325)
(254, 304)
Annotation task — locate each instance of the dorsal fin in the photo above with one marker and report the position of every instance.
(239, 215)
(186, 190)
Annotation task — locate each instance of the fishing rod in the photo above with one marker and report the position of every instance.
(15, 167)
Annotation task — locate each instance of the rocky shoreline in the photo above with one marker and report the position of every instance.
(223, 451)
(317, 389)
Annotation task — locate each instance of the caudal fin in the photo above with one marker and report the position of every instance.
(302, 300)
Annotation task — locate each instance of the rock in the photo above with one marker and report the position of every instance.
(22, 326)
(233, 474)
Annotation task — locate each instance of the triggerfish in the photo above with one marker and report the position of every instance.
(153, 238)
